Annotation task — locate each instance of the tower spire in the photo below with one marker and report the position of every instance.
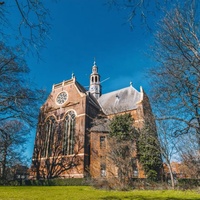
(95, 87)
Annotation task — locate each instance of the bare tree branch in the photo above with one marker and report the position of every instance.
(31, 29)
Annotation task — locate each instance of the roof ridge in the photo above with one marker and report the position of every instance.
(121, 90)
(120, 100)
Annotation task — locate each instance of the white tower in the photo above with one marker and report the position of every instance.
(95, 87)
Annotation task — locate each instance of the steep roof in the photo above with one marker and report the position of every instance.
(101, 125)
(80, 87)
(120, 100)
(93, 100)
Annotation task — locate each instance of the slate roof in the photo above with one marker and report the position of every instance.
(120, 100)
(101, 125)
(93, 100)
(80, 87)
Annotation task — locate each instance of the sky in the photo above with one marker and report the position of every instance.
(81, 31)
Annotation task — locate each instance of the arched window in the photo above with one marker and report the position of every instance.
(49, 137)
(68, 134)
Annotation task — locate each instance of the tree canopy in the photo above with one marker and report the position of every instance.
(121, 127)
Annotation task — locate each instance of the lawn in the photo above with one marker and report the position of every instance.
(89, 193)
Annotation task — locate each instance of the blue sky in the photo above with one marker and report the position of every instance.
(82, 30)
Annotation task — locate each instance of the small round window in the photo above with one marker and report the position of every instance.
(61, 98)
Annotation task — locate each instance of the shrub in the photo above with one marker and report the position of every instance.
(66, 182)
(50, 182)
(188, 183)
(152, 175)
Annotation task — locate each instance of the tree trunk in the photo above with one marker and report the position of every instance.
(171, 176)
(4, 161)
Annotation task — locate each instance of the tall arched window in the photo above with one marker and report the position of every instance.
(49, 136)
(68, 134)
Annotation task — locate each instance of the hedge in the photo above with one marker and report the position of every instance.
(50, 182)
(188, 183)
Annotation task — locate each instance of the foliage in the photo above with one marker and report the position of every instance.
(188, 183)
(86, 192)
(56, 182)
(149, 151)
(121, 127)
(175, 76)
(47, 182)
(122, 143)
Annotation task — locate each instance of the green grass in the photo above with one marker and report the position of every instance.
(89, 193)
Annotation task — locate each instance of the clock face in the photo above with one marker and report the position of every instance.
(92, 88)
(61, 98)
(96, 88)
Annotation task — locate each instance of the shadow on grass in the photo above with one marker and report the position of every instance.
(140, 197)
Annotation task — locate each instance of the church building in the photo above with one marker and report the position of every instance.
(68, 143)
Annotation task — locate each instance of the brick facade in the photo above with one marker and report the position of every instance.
(66, 144)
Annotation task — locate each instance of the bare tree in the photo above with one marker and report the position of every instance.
(176, 76)
(19, 99)
(50, 159)
(148, 12)
(168, 146)
(122, 147)
(190, 155)
(121, 154)
(27, 21)
(12, 138)
(24, 27)
(18, 107)
(56, 165)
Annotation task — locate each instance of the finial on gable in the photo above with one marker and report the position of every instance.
(141, 89)
(73, 76)
(53, 87)
(131, 84)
